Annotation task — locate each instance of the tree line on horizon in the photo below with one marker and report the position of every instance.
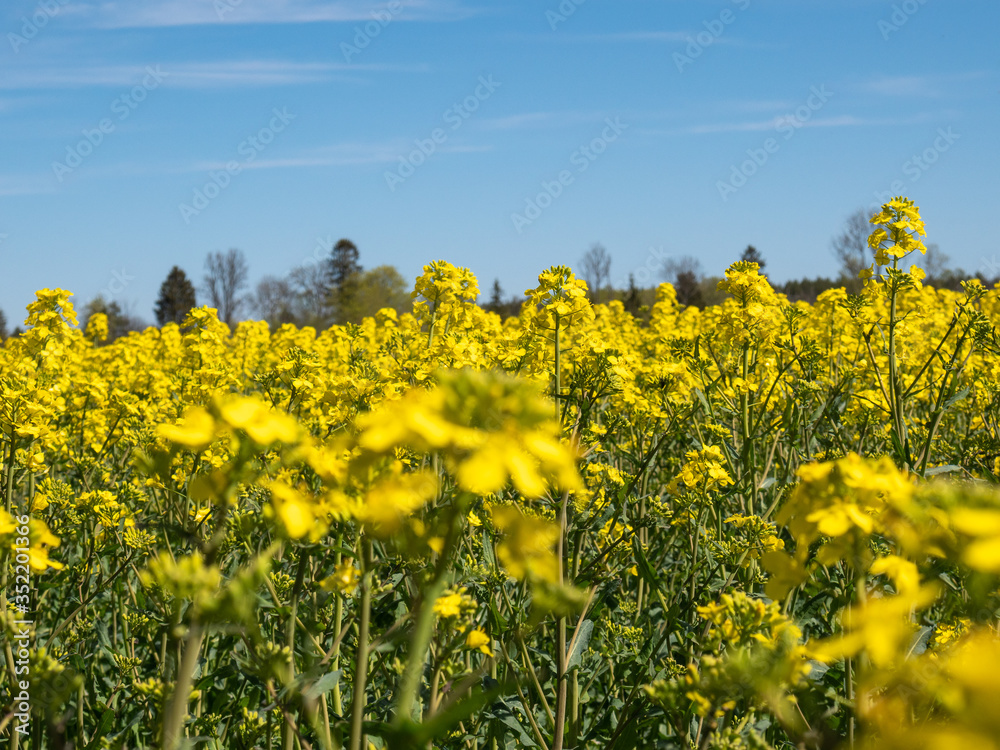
(337, 289)
(332, 291)
(695, 288)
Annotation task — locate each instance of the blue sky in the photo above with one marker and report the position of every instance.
(505, 137)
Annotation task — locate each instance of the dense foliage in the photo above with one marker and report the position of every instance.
(760, 524)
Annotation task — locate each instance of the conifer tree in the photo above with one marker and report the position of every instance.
(176, 298)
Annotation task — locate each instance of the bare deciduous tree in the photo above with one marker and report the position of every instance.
(850, 247)
(935, 262)
(313, 302)
(225, 277)
(596, 269)
(274, 301)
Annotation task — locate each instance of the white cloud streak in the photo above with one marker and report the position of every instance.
(118, 14)
(218, 74)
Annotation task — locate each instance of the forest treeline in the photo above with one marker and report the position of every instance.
(337, 289)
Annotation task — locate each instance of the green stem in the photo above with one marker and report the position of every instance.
(561, 656)
(421, 639)
(9, 479)
(534, 677)
(948, 387)
(361, 665)
(430, 332)
(749, 457)
(894, 379)
(289, 736)
(173, 725)
(338, 619)
(557, 387)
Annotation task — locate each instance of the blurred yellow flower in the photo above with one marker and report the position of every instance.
(454, 604)
(344, 579)
(195, 430)
(477, 639)
(527, 549)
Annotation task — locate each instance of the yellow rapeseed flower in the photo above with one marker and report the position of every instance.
(454, 604)
(477, 639)
(195, 430)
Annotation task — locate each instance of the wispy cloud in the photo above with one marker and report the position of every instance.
(629, 36)
(11, 185)
(19, 102)
(926, 86)
(525, 120)
(774, 123)
(681, 37)
(162, 13)
(513, 122)
(840, 121)
(339, 155)
(756, 105)
(192, 74)
(608, 37)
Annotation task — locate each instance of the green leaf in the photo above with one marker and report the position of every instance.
(817, 413)
(443, 721)
(897, 445)
(934, 471)
(955, 399)
(103, 727)
(704, 401)
(490, 558)
(408, 735)
(345, 551)
(817, 669)
(582, 641)
(324, 684)
(102, 636)
(645, 569)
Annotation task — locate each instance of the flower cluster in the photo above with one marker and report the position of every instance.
(440, 528)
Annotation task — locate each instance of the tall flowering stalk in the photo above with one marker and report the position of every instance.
(559, 301)
(751, 320)
(898, 226)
